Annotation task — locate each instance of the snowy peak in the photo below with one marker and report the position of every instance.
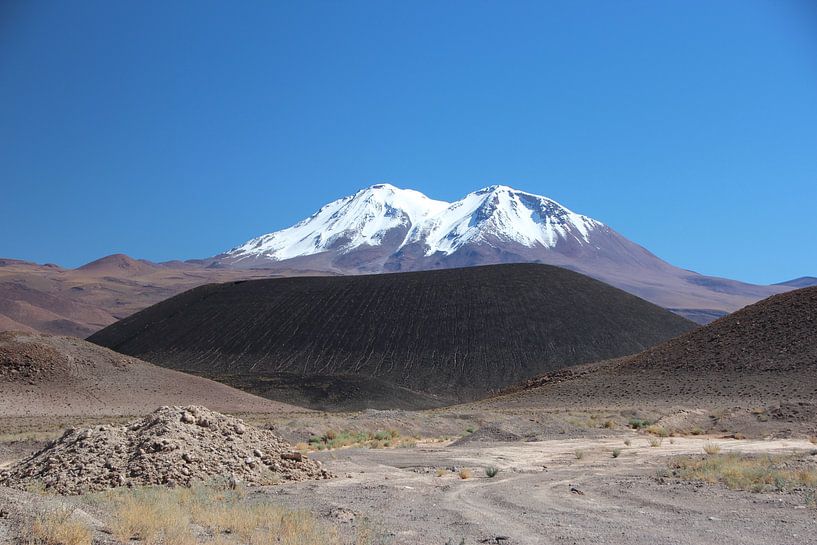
(342, 225)
(384, 215)
(502, 214)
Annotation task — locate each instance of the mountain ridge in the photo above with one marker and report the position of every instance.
(383, 228)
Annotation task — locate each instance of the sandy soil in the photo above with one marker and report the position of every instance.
(530, 500)
(398, 494)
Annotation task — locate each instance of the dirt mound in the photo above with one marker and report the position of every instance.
(764, 355)
(171, 446)
(456, 333)
(44, 375)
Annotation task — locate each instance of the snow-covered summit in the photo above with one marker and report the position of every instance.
(384, 214)
(360, 219)
(501, 213)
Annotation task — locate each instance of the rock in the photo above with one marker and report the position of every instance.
(295, 455)
(188, 418)
(343, 515)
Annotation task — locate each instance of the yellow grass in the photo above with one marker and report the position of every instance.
(655, 429)
(465, 473)
(58, 528)
(161, 516)
(712, 449)
(741, 472)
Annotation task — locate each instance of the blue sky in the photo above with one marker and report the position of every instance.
(177, 130)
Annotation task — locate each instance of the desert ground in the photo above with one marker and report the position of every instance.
(562, 476)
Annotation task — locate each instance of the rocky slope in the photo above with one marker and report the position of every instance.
(764, 355)
(383, 228)
(44, 375)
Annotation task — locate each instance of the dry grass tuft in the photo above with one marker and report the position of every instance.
(375, 440)
(162, 516)
(813, 439)
(465, 473)
(58, 528)
(440, 472)
(655, 442)
(578, 453)
(711, 449)
(655, 429)
(741, 472)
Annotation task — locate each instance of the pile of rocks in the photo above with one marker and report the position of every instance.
(171, 446)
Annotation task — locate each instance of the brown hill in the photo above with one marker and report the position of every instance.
(78, 302)
(763, 354)
(119, 264)
(44, 375)
(454, 333)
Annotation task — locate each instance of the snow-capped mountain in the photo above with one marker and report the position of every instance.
(384, 216)
(366, 218)
(386, 229)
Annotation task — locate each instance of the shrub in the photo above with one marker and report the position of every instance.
(660, 431)
(813, 439)
(697, 431)
(628, 442)
(162, 516)
(655, 442)
(616, 452)
(440, 472)
(740, 472)
(470, 429)
(711, 449)
(578, 453)
(638, 423)
(58, 528)
(465, 473)
(491, 471)
(609, 424)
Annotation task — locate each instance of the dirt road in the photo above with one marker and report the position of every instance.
(533, 498)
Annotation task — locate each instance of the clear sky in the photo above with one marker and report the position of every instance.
(178, 129)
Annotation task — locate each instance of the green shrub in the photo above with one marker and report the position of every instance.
(638, 423)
